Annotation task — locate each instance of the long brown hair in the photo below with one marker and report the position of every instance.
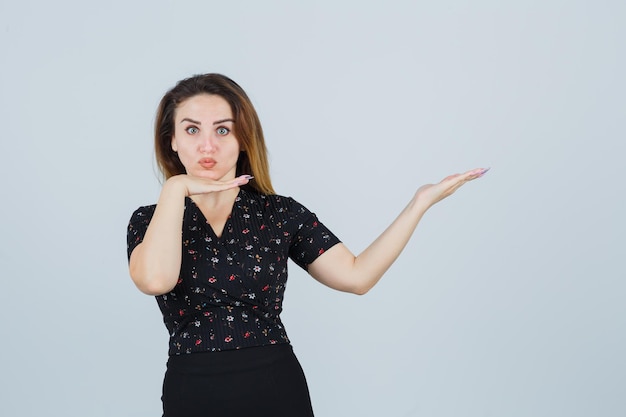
(247, 128)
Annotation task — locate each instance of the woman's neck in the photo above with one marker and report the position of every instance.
(216, 199)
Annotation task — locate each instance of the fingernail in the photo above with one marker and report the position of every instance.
(248, 177)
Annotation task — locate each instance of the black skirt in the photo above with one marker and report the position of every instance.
(258, 381)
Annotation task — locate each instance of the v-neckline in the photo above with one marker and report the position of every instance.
(208, 225)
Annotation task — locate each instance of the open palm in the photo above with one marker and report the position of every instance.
(431, 194)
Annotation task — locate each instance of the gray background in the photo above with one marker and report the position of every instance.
(509, 300)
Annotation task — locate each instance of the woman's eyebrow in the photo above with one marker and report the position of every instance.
(224, 120)
(215, 122)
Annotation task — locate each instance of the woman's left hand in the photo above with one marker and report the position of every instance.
(340, 269)
(430, 194)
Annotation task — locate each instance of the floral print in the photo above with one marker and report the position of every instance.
(230, 291)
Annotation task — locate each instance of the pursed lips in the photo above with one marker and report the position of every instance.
(207, 162)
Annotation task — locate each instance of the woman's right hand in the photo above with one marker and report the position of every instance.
(194, 185)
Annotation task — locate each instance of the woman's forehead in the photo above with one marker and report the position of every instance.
(204, 107)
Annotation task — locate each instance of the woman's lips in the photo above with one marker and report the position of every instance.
(207, 163)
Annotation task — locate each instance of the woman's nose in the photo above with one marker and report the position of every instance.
(207, 143)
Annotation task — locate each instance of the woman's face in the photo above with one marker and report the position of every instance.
(204, 139)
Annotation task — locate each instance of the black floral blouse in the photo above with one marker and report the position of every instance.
(230, 291)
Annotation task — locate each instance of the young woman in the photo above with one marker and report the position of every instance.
(214, 252)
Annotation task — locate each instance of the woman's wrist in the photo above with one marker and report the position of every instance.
(175, 187)
(419, 205)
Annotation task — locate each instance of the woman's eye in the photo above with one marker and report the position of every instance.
(192, 130)
(222, 131)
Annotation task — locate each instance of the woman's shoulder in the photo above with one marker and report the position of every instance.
(143, 213)
(268, 200)
(274, 203)
(146, 209)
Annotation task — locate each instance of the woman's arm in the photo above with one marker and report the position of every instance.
(155, 262)
(338, 268)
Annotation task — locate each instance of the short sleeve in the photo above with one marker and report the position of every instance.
(311, 239)
(137, 227)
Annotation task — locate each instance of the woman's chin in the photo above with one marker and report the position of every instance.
(213, 176)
